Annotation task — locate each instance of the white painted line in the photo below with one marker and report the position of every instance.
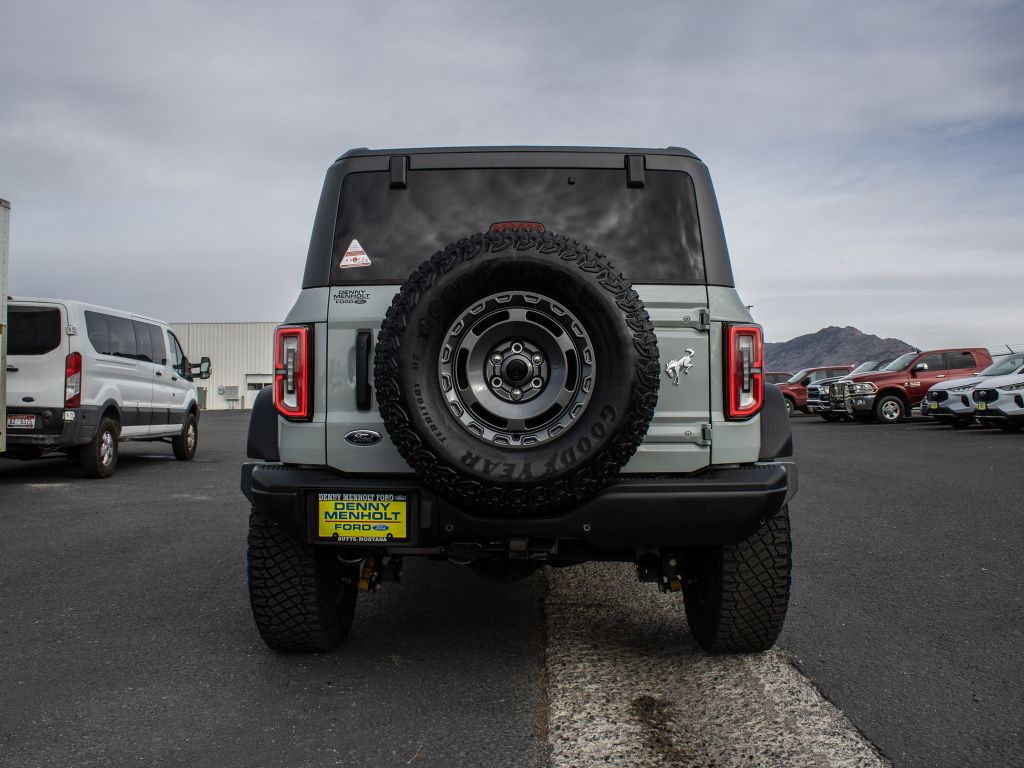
(627, 686)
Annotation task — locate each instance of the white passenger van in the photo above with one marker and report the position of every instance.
(81, 378)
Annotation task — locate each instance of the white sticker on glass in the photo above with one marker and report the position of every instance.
(354, 256)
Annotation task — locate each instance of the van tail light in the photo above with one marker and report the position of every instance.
(73, 380)
(292, 362)
(744, 375)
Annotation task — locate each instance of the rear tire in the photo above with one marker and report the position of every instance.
(303, 598)
(790, 406)
(185, 444)
(736, 595)
(98, 459)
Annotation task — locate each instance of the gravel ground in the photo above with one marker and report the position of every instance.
(627, 686)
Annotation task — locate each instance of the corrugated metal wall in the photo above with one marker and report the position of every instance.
(241, 355)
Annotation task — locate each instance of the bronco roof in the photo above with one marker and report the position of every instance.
(364, 152)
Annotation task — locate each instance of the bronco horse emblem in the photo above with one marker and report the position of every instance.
(684, 363)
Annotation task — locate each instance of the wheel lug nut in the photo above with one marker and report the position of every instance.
(537, 359)
(496, 359)
(517, 394)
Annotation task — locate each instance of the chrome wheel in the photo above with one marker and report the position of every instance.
(190, 436)
(107, 449)
(891, 410)
(516, 369)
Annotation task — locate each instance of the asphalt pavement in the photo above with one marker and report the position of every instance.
(126, 639)
(907, 607)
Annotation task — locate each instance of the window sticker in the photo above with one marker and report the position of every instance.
(354, 256)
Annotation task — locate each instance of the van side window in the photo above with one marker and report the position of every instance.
(96, 328)
(111, 335)
(143, 344)
(156, 337)
(177, 357)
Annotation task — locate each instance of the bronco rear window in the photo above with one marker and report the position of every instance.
(32, 330)
(650, 233)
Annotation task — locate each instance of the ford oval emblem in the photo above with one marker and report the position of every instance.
(363, 437)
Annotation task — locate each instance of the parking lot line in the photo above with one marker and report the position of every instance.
(627, 686)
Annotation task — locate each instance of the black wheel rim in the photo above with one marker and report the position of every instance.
(516, 369)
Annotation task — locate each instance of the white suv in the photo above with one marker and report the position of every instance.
(80, 378)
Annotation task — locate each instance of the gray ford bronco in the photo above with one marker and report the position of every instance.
(514, 357)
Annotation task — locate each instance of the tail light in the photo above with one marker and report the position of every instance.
(744, 375)
(73, 380)
(292, 361)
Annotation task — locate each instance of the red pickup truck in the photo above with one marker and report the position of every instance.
(888, 395)
(795, 389)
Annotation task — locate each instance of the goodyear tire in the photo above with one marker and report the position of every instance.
(516, 372)
(303, 598)
(736, 595)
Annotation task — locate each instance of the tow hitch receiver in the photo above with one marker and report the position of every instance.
(374, 571)
(663, 571)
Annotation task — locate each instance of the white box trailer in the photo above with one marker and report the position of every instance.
(5, 228)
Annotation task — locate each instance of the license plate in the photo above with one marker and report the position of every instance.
(933, 405)
(982, 406)
(21, 421)
(363, 517)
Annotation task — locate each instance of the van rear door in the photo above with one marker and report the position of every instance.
(37, 349)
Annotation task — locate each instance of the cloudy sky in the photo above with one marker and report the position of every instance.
(868, 157)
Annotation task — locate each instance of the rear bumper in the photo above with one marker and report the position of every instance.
(54, 430)
(630, 515)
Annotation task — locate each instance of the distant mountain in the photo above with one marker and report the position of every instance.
(831, 346)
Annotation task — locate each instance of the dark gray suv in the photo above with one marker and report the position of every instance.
(515, 357)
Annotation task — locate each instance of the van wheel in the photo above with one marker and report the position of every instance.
(185, 444)
(303, 598)
(736, 595)
(889, 409)
(99, 458)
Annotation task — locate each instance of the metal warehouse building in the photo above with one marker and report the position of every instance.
(242, 356)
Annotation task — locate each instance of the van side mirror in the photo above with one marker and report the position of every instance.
(204, 368)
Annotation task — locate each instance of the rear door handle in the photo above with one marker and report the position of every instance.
(11, 369)
(159, 373)
(940, 376)
(364, 345)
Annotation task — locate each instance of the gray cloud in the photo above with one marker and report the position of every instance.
(868, 156)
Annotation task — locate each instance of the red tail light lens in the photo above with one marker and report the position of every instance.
(744, 377)
(292, 361)
(73, 380)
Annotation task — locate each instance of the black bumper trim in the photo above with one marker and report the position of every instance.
(634, 512)
(53, 432)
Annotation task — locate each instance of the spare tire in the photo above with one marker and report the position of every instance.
(516, 372)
